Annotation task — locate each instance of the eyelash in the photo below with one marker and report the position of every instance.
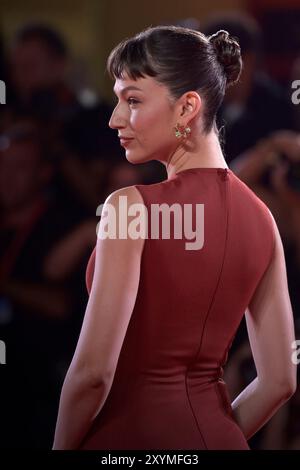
(132, 101)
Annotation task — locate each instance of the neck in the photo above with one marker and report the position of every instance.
(202, 152)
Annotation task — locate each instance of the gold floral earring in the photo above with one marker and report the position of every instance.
(181, 131)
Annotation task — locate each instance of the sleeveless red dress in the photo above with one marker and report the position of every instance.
(168, 391)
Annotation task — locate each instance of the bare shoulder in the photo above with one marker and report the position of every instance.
(124, 218)
(131, 193)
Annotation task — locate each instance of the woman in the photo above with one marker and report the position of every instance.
(147, 370)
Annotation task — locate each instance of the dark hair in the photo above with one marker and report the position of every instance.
(50, 38)
(182, 59)
(240, 25)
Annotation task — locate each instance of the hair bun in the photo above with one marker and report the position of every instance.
(228, 53)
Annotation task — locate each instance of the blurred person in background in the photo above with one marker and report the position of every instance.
(35, 312)
(272, 170)
(71, 250)
(257, 105)
(78, 127)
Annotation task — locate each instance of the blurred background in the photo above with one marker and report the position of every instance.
(59, 160)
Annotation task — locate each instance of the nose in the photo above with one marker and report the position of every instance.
(117, 121)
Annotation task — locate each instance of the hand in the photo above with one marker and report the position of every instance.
(288, 196)
(288, 143)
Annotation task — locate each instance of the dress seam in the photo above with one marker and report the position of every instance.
(221, 269)
(227, 190)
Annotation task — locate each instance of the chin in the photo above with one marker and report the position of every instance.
(135, 159)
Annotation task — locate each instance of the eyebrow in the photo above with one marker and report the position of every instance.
(130, 87)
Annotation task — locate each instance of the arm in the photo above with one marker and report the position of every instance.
(81, 177)
(251, 164)
(47, 299)
(271, 333)
(68, 252)
(111, 302)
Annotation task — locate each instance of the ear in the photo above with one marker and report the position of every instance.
(189, 105)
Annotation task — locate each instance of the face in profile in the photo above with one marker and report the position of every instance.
(34, 68)
(23, 173)
(145, 118)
